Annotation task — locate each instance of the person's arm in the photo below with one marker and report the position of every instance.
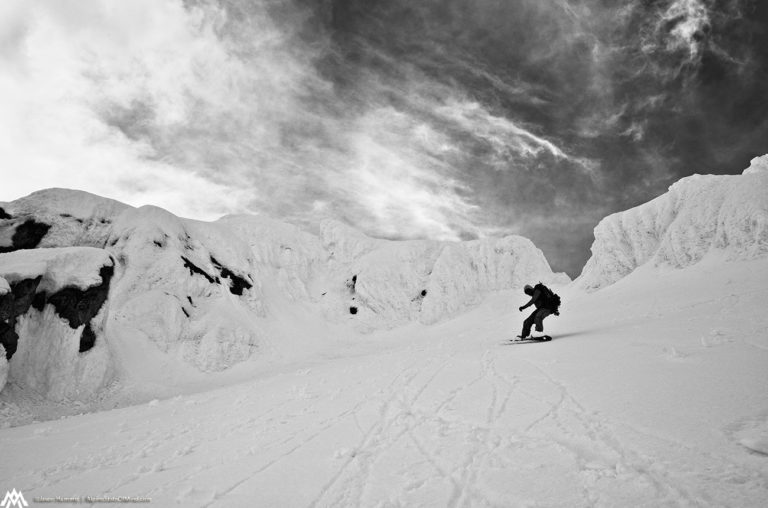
(535, 297)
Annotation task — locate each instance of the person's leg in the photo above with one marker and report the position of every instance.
(539, 318)
(528, 323)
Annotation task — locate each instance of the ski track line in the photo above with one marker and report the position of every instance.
(164, 487)
(483, 446)
(460, 488)
(328, 423)
(150, 441)
(323, 426)
(714, 470)
(361, 455)
(597, 432)
(408, 412)
(368, 436)
(375, 440)
(247, 424)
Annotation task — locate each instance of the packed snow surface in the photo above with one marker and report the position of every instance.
(700, 214)
(643, 398)
(247, 362)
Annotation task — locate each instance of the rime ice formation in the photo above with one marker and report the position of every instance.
(701, 214)
(212, 294)
(757, 165)
(53, 319)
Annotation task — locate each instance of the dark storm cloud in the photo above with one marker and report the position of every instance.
(446, 119)
(637, 94)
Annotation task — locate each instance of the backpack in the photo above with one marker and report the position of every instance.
(550, 299)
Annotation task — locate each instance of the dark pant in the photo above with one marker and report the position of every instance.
(537, 318)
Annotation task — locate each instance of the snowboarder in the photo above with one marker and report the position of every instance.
(546, 303)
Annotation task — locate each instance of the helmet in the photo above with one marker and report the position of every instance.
(528, 289)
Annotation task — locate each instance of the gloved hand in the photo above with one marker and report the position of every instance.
(520, 309)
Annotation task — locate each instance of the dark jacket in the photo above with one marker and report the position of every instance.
(536, 300)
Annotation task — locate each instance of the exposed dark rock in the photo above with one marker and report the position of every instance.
(12, 305)
(352, 283)
(423, 292)
(353, 310)
(6, 306)
(4, 214)
(190, 301)
(184, 311)
(79, 306)
(9, 338)
(158, 244)
(238, 284)
(24, 294)
(27, 235)
(38, 302)
(87, 338)
(194, 269)
(75, 305)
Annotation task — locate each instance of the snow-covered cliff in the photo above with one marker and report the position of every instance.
(53, 311)
(701, 214)
(212, 294)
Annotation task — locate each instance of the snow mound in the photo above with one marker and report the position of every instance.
(65, 203)
(700, 215)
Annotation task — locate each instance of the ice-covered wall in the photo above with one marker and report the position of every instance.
(700, 214)
(207, 293)
(53, 320)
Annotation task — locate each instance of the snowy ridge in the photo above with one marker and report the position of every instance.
(59, 267)
(213, 294)
(700, 214)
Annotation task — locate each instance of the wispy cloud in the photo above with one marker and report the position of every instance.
(208, 110)
(407, 119)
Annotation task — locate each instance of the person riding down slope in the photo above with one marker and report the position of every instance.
(546, 303)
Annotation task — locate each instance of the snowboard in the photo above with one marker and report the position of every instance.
(542, 338)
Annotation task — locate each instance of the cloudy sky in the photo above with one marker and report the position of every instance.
(442, 119)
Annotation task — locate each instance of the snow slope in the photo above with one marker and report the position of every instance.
(644, 398)
(211, 295)
(654, 391)
(699, 214)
